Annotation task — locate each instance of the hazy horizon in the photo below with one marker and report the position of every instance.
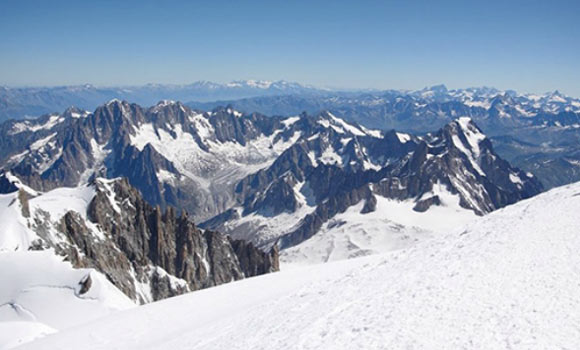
(329, 88)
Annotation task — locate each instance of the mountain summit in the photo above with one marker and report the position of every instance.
(269, 180)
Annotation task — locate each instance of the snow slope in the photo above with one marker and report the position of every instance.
(508, 280)
(393, 225)
(222, 162)
(39, 292)
(44, 295)
(14, 234)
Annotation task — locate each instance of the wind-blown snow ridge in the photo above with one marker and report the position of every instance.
(506, 281)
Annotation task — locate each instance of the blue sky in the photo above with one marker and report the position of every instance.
(525, 45)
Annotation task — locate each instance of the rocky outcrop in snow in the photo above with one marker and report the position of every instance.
(146, 252)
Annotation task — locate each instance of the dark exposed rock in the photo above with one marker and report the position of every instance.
(100, 145)
(162, 287)
(85, 284)
(254, 262)
(370, 205)
(424, 204)
(457, 158)
(277, 198)
(326, 210)
(6, 186)
(140, 245)
(23, 198)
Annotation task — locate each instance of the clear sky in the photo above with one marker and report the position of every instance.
(531, 46)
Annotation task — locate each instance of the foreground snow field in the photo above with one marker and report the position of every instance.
(39, 292)
(509, 280)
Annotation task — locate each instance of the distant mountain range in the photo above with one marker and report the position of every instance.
(422, 110)
(128, 204)
(538, 133)
(268, 180)
(18, 103)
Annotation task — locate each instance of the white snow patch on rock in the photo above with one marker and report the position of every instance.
(403, 138)
(27, 125)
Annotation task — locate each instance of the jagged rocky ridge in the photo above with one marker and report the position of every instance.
(172, 154)
(537, 132)
(146, 252)
(424, 110)
(263, 179)
(325, 174)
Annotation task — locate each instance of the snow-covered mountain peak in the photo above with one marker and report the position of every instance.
(181, 157)
(108, 220)
(464, 131)
(261, 84)
(170, 107)
(317, 187)
(346, 168)
(118, 105)
(556, 97)
(164, 103)
(44, 123)
(280, 85)
(114, 101)
(329, 120)
(470, 130)
(433, 91)
(230, 110)
(74, 112)
(502, 99)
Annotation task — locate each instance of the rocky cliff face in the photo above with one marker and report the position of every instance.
(147, 252)
(173, 155)
(535, 132)
(263, 179)
(330, 172)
